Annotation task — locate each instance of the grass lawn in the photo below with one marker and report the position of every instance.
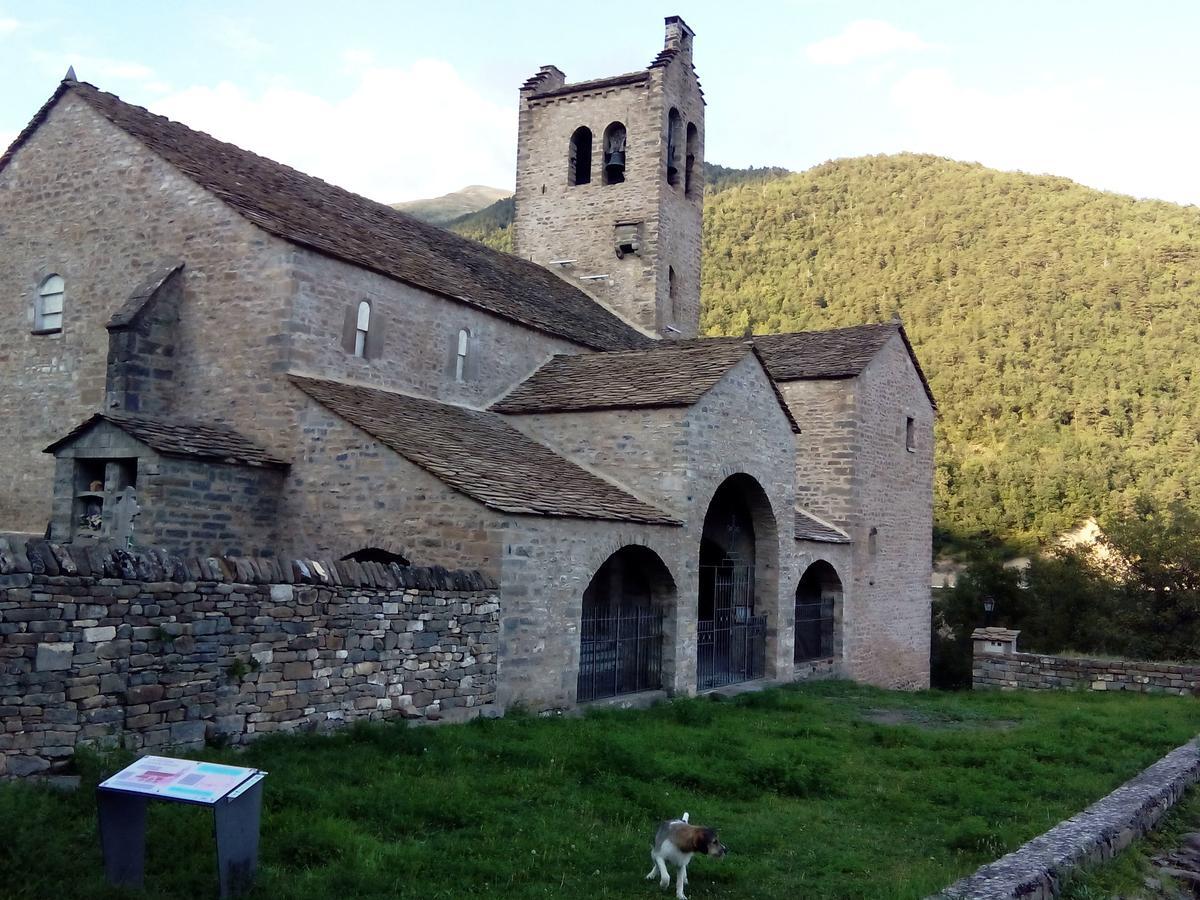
(820, 790)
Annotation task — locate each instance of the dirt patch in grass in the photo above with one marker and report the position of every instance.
(920, 719)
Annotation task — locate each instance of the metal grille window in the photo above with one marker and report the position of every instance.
(732, 645)
(620, 651)
(814, 629)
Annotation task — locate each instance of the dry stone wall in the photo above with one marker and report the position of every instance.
(147, 651)
(998, 666)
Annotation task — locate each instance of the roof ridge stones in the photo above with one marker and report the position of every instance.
(180, 437)
(311, 213)
(152, 564)
(479, 454)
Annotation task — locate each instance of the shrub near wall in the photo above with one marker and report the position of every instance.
(227, 649)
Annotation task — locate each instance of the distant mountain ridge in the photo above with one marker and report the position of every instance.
(441, 210)
(1059, 325)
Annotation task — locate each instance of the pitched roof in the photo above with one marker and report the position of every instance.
(481, 455)
(311, 213)
(665, 375)
(810, 528)
(143, 294)
(833, 353)
(176, 437)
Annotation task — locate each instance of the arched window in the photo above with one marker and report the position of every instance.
(817, 598)
(689, 170)
(614, 153)
(621, 628)
(461, 351)
(674, 138)
(48, 316)
(580, 169)
(361, 327)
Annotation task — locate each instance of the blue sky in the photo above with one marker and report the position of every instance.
(402, 100)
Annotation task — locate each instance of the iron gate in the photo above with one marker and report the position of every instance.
(732, 645)
(620, 652)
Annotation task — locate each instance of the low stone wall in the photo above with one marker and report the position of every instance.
(998, 665)
(228, 649)
(1036, 870)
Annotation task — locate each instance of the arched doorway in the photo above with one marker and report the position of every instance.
(621, 630)
(737, 570)
(818, 597)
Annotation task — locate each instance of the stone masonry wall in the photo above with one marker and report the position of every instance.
(887, 623)
(86, 201)
(229, 649)
(997, 666)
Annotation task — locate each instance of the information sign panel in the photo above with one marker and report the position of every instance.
(179, 779)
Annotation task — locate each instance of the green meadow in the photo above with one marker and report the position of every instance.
(820, 790)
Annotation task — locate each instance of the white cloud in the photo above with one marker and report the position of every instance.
(6, 138)
(1087, 130)
(399, 133)
(863, 39)
(240, 38)
(8, 26)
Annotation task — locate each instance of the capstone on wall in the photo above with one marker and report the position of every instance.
(84, 200)
(109, 661)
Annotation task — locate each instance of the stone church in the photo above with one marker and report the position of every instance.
(209, 352)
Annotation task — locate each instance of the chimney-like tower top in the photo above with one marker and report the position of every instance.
(679, 35)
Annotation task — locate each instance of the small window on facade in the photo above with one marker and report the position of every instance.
(614, 153)
(910, 435)
(673, 293)
(674, 129)
(460, 361)
(48, 317)
(362, 326)
(873, 540)
(689, 170)
(579, 170)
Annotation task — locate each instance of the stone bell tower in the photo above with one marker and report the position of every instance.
(610, 185)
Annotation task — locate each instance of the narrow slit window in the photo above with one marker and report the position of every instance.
(460, 360)
(673, 293)
(910, 435)
(361, 328)
(674, 127)
(48, 317)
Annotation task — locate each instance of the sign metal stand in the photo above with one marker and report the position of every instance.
(233, 793)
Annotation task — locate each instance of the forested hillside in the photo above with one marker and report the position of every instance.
(1059, 325)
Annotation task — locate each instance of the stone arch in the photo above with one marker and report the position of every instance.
(579, 162)
(819, 596)
(621, 635)
(615, 139)
(738, 582)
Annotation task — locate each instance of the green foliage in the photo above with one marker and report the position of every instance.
(813, 795)
(1139, 600)
(1056, 323)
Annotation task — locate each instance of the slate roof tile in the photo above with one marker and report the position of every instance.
(810, 528)
(481, 455)
(311, 213)
(669, 374)
(178, 437)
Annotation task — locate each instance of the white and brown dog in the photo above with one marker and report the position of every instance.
(676, 841)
